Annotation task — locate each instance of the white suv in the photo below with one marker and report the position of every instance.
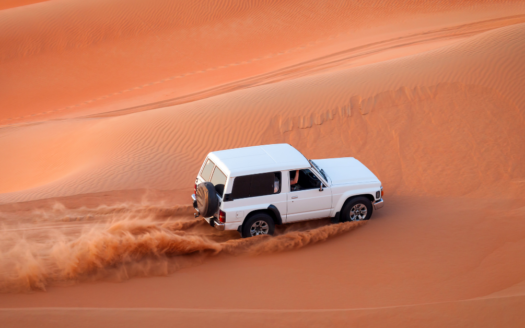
(253, 189)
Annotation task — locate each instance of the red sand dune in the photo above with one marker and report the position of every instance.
(109, 108)
(6, 4)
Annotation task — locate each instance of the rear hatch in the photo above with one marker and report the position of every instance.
(212, 173)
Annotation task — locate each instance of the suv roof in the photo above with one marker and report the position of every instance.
(259, 159)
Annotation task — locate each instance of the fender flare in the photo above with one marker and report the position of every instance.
(350, 194)
(277, 214)
(271, 210)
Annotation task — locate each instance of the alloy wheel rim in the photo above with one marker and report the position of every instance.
(358, 212)
(259, 228)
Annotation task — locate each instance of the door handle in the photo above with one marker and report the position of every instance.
(294, 197)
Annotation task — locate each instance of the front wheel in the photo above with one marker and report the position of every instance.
(357, 209)
(258, 224)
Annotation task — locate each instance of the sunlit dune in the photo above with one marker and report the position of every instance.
(7, 4)
(108, 109)
(409, 119)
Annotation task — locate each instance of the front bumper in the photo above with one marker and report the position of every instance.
(378, 204)
(211, 220)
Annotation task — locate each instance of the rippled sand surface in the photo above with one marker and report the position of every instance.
(108, 109)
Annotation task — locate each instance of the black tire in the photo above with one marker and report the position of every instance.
(258, 224)
(354, 210)
(207, 201)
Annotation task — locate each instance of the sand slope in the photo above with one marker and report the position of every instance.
(68, 56)
(109, 107)
(457, 314)
(369, 110)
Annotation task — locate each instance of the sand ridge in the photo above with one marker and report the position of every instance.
(90, 65)
(305, 68)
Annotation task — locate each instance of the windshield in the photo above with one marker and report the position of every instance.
(321, 171)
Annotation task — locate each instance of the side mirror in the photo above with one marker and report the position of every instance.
(321, 188)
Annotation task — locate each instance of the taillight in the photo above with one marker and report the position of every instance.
(195, 189)
(381, 192)
(222, 217)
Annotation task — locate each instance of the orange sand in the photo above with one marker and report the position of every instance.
(109, 107)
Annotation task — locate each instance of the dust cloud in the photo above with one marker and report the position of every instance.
(60, 246)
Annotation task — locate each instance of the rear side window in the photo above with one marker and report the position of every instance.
(218, 177)
(219, 180)
(207, 169)
(256, 185)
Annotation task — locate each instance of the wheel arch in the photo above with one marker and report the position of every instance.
(336, 218)
(271, 210)
(276, 214)
(346, 199)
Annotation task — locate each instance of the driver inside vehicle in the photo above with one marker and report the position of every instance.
(293, 181)
(303, 180)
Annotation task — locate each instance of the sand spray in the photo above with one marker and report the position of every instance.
(65, 246)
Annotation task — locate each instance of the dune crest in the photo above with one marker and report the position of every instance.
(84, 47)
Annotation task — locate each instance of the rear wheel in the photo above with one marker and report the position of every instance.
(258, 224)
(357, 209)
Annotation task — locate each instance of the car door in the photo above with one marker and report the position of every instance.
(308, 202)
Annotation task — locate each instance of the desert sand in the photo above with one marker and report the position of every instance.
(108, 109)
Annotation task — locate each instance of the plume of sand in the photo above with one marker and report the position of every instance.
(130, 245)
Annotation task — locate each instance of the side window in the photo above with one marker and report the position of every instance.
(218, 177)
(261, 184)
(206, 170)
(277, 183)
(241, 187)
(306, 180)
(256, 185)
